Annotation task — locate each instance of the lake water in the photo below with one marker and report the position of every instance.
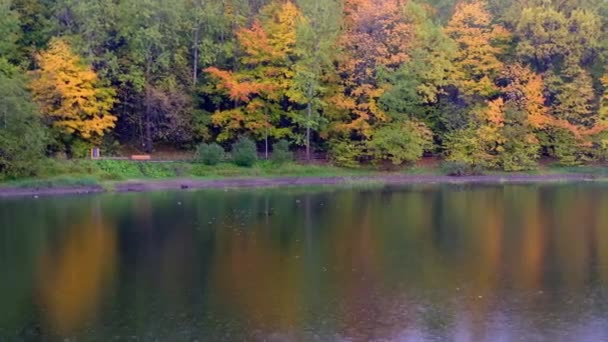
(420, 263)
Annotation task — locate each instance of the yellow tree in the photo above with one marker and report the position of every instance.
(604, 100)
(476, 61)
(258, 91)
(70, 95)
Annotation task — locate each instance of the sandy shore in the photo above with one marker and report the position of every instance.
(197, 184)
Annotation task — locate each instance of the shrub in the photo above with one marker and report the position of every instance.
(400, 143)
(281, 153)
(520, 150)
(469, 146)
(566, 148)
(346, 153)
(80, 149)
(244, 152)
(209, 154)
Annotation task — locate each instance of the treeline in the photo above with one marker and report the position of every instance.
(495, 84)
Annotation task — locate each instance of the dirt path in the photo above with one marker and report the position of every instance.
(193, 184)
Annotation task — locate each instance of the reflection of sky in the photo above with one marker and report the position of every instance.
(488, 263)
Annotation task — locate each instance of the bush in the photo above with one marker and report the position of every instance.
(346, 153)
(471, 146)
(520, 150)
(209, 154)
(80, 149)
(566, 148)
(244, 152)
(401, 143)
(460, 169)
(281, 153)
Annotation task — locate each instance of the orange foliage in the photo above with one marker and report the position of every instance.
(525, 89)
(238, 90)
(258, 89)
(72, 278)
(376, 35)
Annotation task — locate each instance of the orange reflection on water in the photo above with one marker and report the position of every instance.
(72, 277)
(257, 281)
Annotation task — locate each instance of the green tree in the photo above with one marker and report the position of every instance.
(400, 143)
(22, 135)
(155, 72)
(317, 33)
(9, 30)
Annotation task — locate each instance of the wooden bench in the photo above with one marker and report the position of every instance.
(141, 157)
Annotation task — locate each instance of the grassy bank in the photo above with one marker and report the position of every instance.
(83, 173)
(72, 173)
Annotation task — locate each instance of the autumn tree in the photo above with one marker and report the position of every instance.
(413, 89)
(504, 132)
(479, 45)
(70, 95)
(550, 38)
(376, 37)
(259, 89)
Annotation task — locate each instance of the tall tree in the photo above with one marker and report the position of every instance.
(376, 36)
(9, 30)
(317, 33)
(259, 90)
(478, 39)
(22, 135)
(155, 70)
(70, 95)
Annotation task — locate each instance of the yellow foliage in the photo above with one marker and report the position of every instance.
(269, 44)
(476, 59)
(70, 95)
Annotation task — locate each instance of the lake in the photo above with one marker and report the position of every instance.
(414, 263)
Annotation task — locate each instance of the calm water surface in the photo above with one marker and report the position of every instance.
(423, 263)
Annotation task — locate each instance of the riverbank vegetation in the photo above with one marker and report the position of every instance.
(483, 85)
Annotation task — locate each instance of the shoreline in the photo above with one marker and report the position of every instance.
(188, 184)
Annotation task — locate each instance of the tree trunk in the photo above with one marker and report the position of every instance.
(266, 143)
(195, 57)
(148, 124)
(309, 117)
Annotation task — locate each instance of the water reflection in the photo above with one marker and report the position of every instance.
(73, 275)
(461, 263)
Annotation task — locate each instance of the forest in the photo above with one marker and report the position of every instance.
(499, 85)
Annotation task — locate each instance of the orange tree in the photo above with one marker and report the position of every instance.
(258, 90)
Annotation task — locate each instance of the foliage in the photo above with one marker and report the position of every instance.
(209, 154)
(478, 39)
(281, 153)
(244, 152)
(400, 143)
(22, 135)
(70, 95)
(488, 83)
(346, 153)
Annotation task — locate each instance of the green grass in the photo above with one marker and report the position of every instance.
(51, 183)
(73, 173)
